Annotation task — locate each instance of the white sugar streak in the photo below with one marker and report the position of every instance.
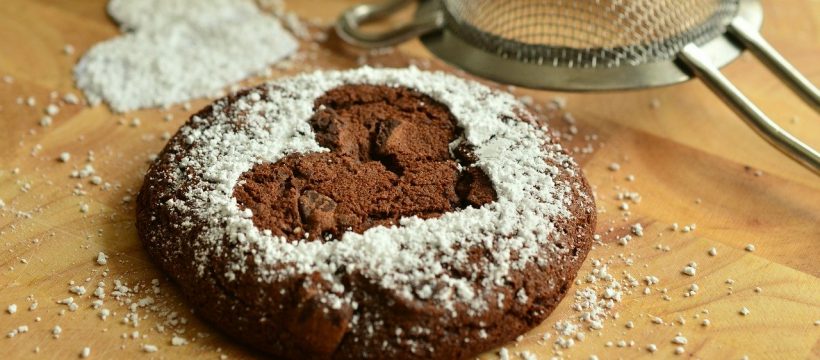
(410, 259)
(179, 50)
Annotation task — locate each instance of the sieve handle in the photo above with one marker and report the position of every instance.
(348, 24)
(702, 66)
(764, 51)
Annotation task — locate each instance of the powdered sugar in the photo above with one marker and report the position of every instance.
(179, 50)
(409, 259)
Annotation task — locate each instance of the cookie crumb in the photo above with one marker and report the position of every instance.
(12, 309)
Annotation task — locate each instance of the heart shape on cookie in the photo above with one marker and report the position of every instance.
(390, 158)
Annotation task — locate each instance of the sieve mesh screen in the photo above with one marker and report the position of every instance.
(588, 33)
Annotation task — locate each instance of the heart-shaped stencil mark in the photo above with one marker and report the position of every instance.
(389, 159)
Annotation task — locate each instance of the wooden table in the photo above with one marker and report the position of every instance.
(693, 160)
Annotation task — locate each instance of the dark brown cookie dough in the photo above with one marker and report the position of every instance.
(389, 158)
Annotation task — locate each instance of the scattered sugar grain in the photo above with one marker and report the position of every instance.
(504, 354)
(637, 229)
(46, 121)
(71, 99)
(102, 259)
(52, 110)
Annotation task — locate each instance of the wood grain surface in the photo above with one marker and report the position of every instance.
(693, 161)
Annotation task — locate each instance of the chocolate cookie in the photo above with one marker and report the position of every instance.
(368, 214)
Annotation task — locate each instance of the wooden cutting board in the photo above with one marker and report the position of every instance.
(693, 161)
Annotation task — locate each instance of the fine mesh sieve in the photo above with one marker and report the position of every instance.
(588, 33)
(587, 45)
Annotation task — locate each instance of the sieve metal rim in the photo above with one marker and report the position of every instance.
(451, 47)
(656, 50)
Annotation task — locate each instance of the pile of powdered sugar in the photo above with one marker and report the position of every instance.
(409, 259)
(177, 50)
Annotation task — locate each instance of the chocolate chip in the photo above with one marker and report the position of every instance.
(389, 136)
(475, 188)
(465, 152)
(347, 220)
(321, 330)
(317, 212)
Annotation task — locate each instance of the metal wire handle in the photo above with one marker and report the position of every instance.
(349, 22)
(702, 66)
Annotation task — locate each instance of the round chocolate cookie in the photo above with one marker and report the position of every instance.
(389, 213)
